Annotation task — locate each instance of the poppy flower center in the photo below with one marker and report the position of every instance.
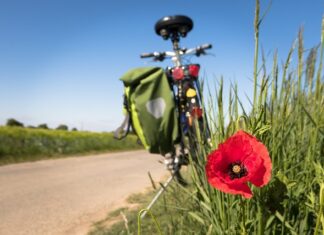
(237, 170)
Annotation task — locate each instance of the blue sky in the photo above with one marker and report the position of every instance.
(61, 60)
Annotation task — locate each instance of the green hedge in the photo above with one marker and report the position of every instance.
(24, 144)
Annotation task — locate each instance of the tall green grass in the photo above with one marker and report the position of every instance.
(288, 117)
(24, 144)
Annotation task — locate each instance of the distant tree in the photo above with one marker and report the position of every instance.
(74, 129)
(62, 127)
(31, 127)
(14, 122)
(43, 126)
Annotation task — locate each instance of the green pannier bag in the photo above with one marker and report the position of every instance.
(150, 109)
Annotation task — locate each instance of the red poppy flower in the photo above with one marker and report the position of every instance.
(240, 159)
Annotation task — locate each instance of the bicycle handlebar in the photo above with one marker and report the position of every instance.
(147, 55)
(206, 46)
(160, 56)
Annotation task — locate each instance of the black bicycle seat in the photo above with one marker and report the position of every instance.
(173, 26)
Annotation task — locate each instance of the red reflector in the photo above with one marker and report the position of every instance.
(196, 112)
(194, 70)
(177, 73)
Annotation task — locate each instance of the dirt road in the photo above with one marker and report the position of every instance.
(65, 196)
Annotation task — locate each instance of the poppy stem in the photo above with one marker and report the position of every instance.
(260, 220)
(243, 202)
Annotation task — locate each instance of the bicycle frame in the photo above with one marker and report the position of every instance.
(183, 79)
(187, 94)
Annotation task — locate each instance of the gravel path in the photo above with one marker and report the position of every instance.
(65, 196)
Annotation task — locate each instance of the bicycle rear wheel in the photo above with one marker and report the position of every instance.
(198, 132)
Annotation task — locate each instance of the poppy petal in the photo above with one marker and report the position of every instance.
(237, 147)
(252, 164)
(215, 164)
(235, 188)
(263, 174)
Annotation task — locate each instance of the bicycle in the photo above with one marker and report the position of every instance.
(183, 78)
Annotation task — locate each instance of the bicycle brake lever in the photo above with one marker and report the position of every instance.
(200, 52)
(211, 54)
(159, 57)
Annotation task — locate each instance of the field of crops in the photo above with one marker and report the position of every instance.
(26, 144)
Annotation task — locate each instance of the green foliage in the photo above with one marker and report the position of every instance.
(43, 126)
(62, 127)
(24, 144)
(14, 122)
(289, 119)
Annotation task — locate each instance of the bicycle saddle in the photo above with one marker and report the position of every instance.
(173, 26)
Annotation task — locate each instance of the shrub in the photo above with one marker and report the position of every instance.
(62, 127)
(42, 126)
(14, 122)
